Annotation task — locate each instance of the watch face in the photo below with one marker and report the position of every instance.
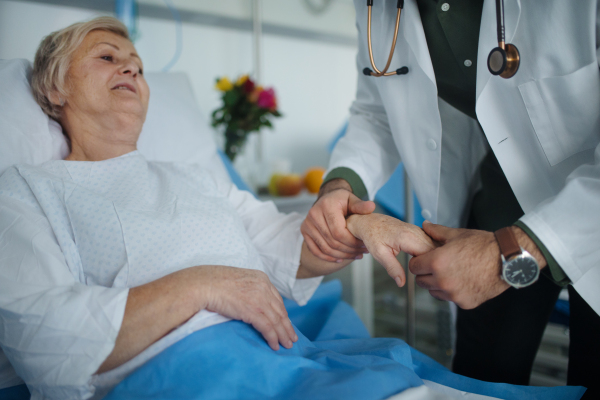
(521, 271)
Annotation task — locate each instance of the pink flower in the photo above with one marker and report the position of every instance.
(266, 99)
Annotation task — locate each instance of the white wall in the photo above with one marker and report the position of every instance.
(337, 18)
(314, 100)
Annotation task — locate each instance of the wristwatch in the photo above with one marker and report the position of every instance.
(519, 268)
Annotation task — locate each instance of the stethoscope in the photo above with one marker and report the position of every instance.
(503, 60)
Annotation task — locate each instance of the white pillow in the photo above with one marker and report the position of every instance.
(174, 129)
(27, 135)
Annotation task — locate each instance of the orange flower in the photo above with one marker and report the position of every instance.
(253, 97)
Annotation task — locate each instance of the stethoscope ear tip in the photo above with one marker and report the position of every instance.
(367, 71)
(402, 71)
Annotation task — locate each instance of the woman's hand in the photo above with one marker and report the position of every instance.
(156, 308)
(248, 295)
(386, 236)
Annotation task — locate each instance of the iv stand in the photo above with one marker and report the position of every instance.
(257, 64)
(409, 212)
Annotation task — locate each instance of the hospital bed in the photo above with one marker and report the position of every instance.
(331, 333)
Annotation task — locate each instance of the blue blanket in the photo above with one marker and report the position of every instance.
(333, 358)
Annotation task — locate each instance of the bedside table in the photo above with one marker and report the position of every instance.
(300, 203)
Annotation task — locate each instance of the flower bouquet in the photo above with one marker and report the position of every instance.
(246, 108)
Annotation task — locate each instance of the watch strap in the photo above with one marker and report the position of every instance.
(509, 247)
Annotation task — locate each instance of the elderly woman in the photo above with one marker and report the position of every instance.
(115, 252)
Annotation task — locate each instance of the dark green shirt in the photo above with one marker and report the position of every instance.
(452, 33)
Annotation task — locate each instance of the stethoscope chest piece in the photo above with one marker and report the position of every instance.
(504, 62)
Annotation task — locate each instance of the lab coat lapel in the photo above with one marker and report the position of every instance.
(415, 36)
(414, 95)
(488, 37)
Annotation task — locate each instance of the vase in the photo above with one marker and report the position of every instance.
(235, 139)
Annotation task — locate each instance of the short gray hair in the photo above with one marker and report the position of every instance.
(53, 59)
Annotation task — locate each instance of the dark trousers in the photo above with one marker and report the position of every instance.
(498, 341)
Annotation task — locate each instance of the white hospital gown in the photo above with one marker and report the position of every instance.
(75, 236)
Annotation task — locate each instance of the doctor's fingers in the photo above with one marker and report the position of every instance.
(315, 240)
(337, 234)
(442, 288)
(427, 282)
(328, 215)
(425, 264)
(315, 226)
(312, 246)
(440, 233)
(335, 255)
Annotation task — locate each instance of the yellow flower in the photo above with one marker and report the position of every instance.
(241, 80)
(224, 84)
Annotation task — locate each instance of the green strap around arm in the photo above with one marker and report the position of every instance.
(556, 273)
(357, 185)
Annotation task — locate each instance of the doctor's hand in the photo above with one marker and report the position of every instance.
(465, 269)
(324, 228)
(386, 236)
(248, 295)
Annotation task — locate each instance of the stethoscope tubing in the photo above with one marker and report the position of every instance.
(509, 67)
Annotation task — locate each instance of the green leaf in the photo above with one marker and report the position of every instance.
(231, 97)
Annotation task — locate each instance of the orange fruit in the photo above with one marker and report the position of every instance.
(313, 179)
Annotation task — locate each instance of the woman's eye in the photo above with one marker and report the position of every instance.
(107, 58)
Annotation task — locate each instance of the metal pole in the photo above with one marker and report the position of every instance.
(257, 64)
(362, 293)
(409, 213)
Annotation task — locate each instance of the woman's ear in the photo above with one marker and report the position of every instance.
(56, 99)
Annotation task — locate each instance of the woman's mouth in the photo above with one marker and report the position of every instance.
(124, 86)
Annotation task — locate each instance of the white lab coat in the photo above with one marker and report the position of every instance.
(543, 124)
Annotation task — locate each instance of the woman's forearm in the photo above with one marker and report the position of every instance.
(153, 310)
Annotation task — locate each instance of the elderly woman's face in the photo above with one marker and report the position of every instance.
(106, 82)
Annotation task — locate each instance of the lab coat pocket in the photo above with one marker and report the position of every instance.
(565, 112)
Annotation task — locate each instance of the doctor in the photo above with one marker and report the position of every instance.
(489, 142)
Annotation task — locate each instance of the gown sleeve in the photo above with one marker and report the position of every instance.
(54, 330)
(278, 240)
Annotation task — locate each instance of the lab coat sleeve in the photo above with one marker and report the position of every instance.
(368, 147)
(569, 223)
(54, 330)
(278, 240)
(569, 227)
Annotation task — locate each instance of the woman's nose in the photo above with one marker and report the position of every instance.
(130, 68)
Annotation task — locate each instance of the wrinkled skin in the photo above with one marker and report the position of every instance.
(385, 237)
